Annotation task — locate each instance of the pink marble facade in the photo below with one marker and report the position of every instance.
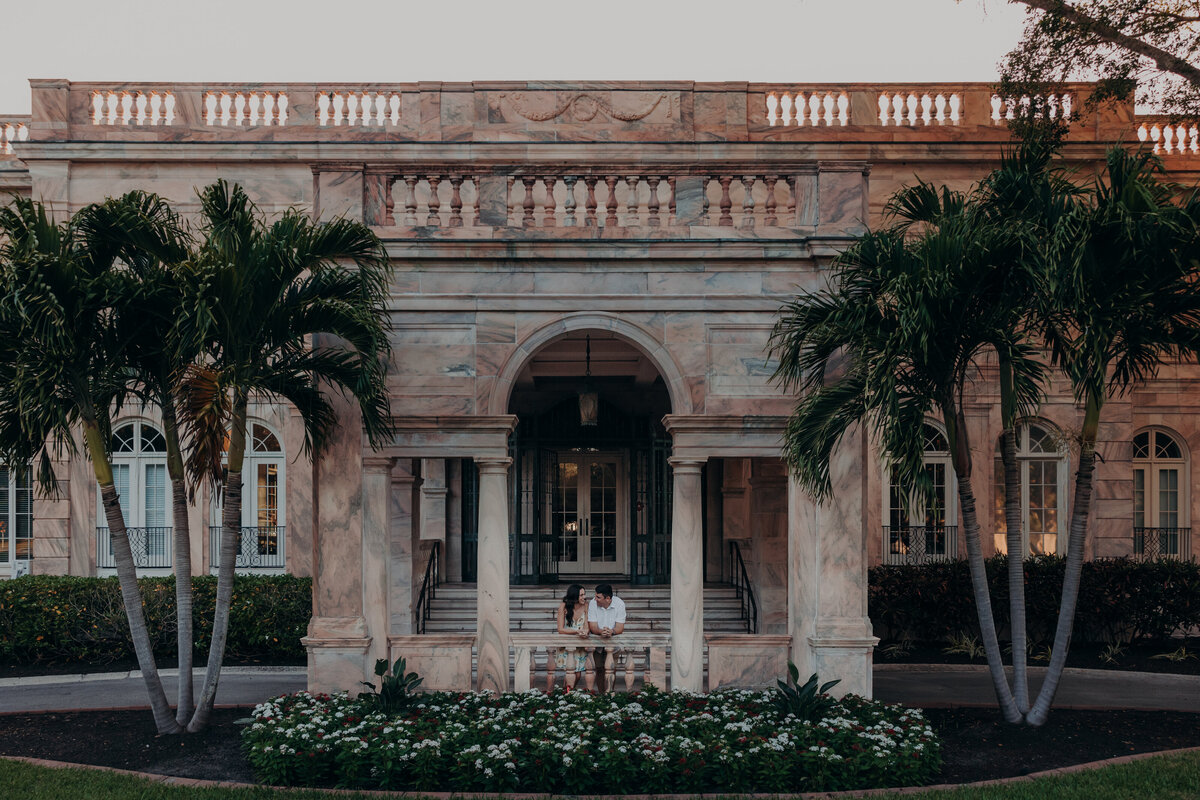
(673, 218)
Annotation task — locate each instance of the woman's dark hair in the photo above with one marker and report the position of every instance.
(570, 599)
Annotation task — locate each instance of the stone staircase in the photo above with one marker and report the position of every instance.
(533, 608)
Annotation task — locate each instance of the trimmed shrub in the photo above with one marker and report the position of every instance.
(65, 619)
(1119, 600)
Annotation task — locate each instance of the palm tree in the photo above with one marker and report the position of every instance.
(63, 371)
(157, 303)
(1121, 297)
(896, 337)
(288, 310)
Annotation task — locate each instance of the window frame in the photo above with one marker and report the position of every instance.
(1152, 466)
(1026, 457)
(893, 550)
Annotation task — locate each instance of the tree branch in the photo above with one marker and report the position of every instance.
(1167, 62)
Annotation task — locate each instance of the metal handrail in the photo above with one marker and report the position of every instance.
(739, 578)
(1162, 543)
(919, 544)
(428, 587)
(259, 547)
(151, 547)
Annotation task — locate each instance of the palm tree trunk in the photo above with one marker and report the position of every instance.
(184, 636)
(230, 532)
(1080, 511)
(131, 596)
(1016, 552)
(956, 428)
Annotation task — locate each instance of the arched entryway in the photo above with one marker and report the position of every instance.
(590, 482)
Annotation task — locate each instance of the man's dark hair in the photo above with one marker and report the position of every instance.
(605, 589)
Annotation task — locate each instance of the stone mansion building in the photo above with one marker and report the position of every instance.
(585, 278)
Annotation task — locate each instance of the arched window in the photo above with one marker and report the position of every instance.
(922, 528)
(16, 520)
(139, 462)
(1160, 495)
(1042, 461)
(263, 506)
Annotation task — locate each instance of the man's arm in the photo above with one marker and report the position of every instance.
(591, 613)
(618, 627)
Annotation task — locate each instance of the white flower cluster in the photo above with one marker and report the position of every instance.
(653, 741)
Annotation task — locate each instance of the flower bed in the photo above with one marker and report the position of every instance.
(578, 743)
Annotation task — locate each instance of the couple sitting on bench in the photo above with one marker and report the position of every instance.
(603, 616)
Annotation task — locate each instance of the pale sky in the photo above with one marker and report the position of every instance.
(399, 41)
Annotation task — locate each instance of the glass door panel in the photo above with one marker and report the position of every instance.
(586, 514)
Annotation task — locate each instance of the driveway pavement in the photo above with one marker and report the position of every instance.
(912, 684)
(239, 686)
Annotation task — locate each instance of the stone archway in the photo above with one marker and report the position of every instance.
(636, 336)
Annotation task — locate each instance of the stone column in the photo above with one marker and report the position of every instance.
(433, 499)
(687, 577)
(337, 640)
(827, 576)
(401, 550)
(376, 490)
(492, 641)
(454, 529)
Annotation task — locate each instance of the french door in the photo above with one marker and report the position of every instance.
(588, 515)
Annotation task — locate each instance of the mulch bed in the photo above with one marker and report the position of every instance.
(977, 744)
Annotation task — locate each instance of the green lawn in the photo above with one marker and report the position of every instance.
(1162, 778)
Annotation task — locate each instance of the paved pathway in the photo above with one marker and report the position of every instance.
(930, 685)
(913, 684)
(239, 686)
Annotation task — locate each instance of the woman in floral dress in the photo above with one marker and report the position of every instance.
(572, 620)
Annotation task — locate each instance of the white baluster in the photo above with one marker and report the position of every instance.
(997, 104)
(97, 108)
(884, 107)
(843, 104)
(394, 105)
(338, 101)
(772, 108)
(210, 108)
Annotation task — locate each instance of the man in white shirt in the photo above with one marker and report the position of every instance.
(606, 619)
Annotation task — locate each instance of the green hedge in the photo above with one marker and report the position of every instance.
(1119, 600)
(60, 619)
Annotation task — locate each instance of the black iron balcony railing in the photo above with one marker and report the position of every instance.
(429, 584)
(260, 547)
(1150, 544)
(151, 548)
(919, 544)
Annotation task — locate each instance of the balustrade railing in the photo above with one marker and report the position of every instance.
(1169, 136)
(919, 544)
(915, 106)
(259, 547)
(335, 110)
(12, 130)
(733, 198)
(151, 548)
(646, 657)
(1150, 544)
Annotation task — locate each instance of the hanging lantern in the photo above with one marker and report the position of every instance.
(589, 400)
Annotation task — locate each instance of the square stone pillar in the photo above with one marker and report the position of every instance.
(338, 640)
(433, 499)
(827, 576)
(401, 537)
(493, 641)
(687, 576)
(376, 490)
(454, 528)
